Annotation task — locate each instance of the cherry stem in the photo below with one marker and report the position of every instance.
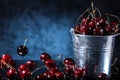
(92, 6)
(37, 69)
(25, 41)
(8, 65)
(82, 15)
(114, 61)
(98, 11)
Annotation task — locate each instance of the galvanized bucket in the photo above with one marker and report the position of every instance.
(93, 52)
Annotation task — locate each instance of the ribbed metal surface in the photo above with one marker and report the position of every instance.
(91, 51)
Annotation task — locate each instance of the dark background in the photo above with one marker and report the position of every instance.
(46, 23)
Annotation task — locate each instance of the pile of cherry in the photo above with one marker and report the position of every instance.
(93, 24)
(25, 71)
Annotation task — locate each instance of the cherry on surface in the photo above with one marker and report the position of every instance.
(60, 75)
(50, 63)
(45, 56)
(11, 73)
(24, 74)
(68, 61)
(79, 72)
(6, 58)
(22, 67)
(103, 76)
(30, 64)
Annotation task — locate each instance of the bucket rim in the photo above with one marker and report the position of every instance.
(73, 33)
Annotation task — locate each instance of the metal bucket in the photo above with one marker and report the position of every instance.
(93, 52)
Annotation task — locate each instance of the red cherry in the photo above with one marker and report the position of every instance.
(85, 30)
(54, 69)
(98, 31)
(30, 64)
(102, 22)
(114, 26)
(102, 76)
(79, 73)
(108, 30)
(60, 75)
(22, 50)
(85, 21)
(44, 57)
(50, 63)
(24, 74)
(11, 73)
(6, 57)
(69, 71)
(92, 24)
(22, 67)
(51, 76)
(68, 62)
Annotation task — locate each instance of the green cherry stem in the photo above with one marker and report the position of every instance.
(25, 41)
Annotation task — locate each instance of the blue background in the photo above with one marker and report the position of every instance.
(46, 23)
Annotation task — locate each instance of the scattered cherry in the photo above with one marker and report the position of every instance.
(45, 56)
(103, 76)
(30, 64)
(24, 74)
(79, 72)
(68, 62)
(22, 67)
(11, 73)
(6, 58)
(50, 63)
(60, 75)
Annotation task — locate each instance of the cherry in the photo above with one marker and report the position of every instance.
(98, 31)
(69, 71)
(30, 64)
(54, 69)
(102, 22)
(44, 57)
(92, 24)
(68, 62)
(51, 76)
(41, 77)
(79, 72)
(114, 26)
(85, 30)
(60, 75)
(85, 21)
(22, 50)
(108, 30)
(6, 58)
(50, 63)
(102, 76)
(24, 74)
(11, 73)
(22, 67)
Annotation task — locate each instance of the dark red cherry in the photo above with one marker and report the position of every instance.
(85, 30)
(6, 58)
(51, 76)
(102, 22)
(92, 24)
(68, 62)
(103, 76)
(108, 30)
(50, 63)
(24, 74)
(98, 31)
(54, 69)
(22, 50)
(114, 26)
(85, 21)
(30, 64)
(69, 71)
(79, 72)
(22, 67)
(60, 75)
(11, 73)
(44, 57)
